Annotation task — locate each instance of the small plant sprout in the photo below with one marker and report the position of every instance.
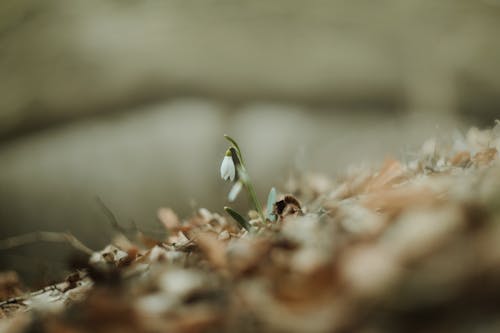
(233, 168)
(271, 199)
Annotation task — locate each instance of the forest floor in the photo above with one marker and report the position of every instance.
(409, 246)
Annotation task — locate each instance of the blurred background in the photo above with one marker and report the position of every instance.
(127, 101)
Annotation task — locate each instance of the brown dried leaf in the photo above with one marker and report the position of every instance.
(419, 231)
(461, 159)
(246, 254)
(393, 201)
(368, 270)
(197, 320)
(168, 218)
(288, 206)
(485, 156)
(390, 174)
(147, 241)
(213, 248)
(10, 285)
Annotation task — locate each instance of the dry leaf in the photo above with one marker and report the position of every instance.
(213, 248)
(390, 174)
(168, 218)
(485, 157)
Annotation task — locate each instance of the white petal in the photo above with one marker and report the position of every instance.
(223, 168)
(235, 190)
(227, 168)
(232, 171)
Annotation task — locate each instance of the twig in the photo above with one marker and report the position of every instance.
(112, 218)
(44, 236)
(133, 230)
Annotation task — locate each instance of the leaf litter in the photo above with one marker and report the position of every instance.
(409, 246)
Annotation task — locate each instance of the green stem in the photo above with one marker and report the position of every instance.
(253, 197)
(246, 179)
(236, 146)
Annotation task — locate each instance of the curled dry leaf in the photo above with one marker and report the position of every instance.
(288, 206)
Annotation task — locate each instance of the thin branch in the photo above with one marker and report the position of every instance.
(44, 236)
(131, 231)
(112, 218)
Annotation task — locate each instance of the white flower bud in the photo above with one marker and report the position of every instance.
(235, 190)
(227, 168)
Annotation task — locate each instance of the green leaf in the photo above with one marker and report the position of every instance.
(232, 141)
(235, 145)
(238, 218)
(271, 199)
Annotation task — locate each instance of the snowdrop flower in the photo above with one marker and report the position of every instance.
(227, 168)
(228, 171)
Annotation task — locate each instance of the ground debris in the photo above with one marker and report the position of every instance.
(10, 285)
(410, 246)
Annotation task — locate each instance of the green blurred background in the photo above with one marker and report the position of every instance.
(127, 101)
